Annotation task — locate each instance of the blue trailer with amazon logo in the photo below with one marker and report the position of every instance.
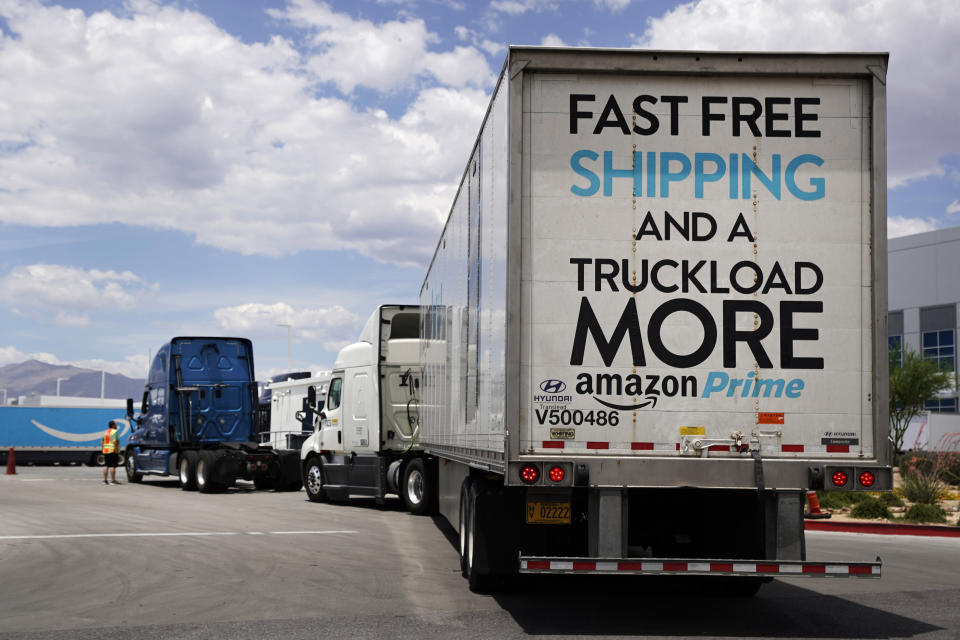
(57, 435)
(197, 420)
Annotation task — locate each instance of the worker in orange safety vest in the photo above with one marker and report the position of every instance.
(110, 448)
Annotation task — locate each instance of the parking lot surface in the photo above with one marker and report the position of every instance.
(79, 559)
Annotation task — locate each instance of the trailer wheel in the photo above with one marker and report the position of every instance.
(99, 460)
(206, 464)
(464, 523)
(478, 582)
(131, 467)
(313, 480)
(417, 489)
(186, 466)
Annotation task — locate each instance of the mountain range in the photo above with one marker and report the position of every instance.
(39, 378)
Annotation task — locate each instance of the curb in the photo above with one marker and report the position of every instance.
(884, 528)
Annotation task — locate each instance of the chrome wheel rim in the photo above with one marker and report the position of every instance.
(184, 476)
(415, 487)
(201, 473)
(314, 479)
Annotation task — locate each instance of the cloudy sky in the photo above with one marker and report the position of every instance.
(226, 166)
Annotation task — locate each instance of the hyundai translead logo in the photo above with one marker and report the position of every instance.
(553, 386)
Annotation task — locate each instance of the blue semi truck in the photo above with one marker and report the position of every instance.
(197, 420)
(60, 434)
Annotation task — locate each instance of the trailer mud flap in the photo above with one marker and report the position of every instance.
(705, 567)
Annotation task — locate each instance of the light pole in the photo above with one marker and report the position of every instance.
(59, 380)
(289, 330)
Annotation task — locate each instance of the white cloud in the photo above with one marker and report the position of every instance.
(513, 7)
(159, 118)
(953, 207)
(72, 291)
(613, 5)
(132, 366)
(332, 326)
(923, 87)
(492, 48)
(900, 226)
(469, 35)
(517, 7)
(382, 56)
(552, 40)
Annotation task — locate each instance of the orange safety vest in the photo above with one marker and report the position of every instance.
(110, 441)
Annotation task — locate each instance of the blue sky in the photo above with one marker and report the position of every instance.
(225, 166)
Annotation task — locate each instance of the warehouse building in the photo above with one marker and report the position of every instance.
(924, 303)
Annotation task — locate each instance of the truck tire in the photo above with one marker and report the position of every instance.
(99, 460)
(478, 582)
(264, 483)
(464, 523)
(130, 464)
(205, 477)
(187, 468)
(417, 489)
(313, 480)
(121, 458)
(290, 484)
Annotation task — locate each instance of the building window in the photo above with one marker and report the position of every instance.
(939, 347)
(895, 344)
(941, 405)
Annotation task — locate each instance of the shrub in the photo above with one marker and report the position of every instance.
(949, 470)
(890, 499)
(870, 508)
(921, 488)
(916, 462)
(924, 513)
(835, 499)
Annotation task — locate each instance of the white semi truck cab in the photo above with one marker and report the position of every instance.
(365, 435)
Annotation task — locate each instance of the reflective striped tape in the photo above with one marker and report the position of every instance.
(699, 567)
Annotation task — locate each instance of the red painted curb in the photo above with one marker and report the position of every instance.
(883, 528)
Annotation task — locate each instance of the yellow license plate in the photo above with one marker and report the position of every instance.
(540, 512)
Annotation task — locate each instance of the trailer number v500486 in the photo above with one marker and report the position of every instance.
(539, 512)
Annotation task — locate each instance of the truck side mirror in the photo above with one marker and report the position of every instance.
(312, 395)
(129, 408)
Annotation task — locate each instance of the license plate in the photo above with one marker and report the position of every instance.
(540, 512)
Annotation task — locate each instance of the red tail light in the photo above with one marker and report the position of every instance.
(556, 474)
(529, 474)
(867, 479)
(839, 479)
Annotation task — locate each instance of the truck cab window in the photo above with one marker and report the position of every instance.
(333, 398)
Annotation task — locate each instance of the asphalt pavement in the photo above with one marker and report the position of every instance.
(79, 559)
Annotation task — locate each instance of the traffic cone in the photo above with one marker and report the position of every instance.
(11, 463)
(814, 503)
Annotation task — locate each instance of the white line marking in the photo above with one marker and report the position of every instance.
(160, 535)
(293, 533)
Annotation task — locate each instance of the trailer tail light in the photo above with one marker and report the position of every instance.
(839, 479)
(867, 479)
(529, 474)
(556, 474)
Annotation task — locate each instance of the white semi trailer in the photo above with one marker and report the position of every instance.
(655, 318)
(656, 315)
